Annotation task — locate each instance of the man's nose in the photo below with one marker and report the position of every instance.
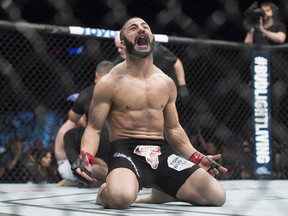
(141, 29)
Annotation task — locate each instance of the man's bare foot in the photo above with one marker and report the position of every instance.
(156, 197)
(98, 200)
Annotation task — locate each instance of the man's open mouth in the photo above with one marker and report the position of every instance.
(142, 40)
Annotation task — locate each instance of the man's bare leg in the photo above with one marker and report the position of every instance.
(98, 200)
(120, 189)
(156, 197)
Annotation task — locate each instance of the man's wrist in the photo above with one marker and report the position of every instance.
(196, 157)
(89, 156)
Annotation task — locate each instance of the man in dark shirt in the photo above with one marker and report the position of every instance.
(69, 136)
(270, 31)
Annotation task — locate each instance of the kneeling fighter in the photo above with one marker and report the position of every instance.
(137, 100)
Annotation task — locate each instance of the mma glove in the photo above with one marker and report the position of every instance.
(184, 94)
(197, 158)
(79, 163)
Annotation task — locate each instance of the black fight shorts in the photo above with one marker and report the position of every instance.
(155, 164)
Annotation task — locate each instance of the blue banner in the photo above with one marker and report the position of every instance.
(263, 159)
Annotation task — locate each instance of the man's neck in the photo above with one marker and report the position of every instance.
(139, 66)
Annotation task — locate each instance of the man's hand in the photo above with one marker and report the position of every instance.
(209, 163)
(184, 94)
(82, 168)
(261, 27)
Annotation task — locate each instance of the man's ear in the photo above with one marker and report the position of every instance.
(96, 77)
(122, 43)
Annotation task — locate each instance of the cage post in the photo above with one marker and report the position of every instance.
(263, 159)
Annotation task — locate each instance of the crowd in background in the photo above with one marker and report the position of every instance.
(28, 163)
(22, 162)
(238, 157)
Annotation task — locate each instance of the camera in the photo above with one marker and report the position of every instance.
(252, 17)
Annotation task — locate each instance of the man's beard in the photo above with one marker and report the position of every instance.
(267, 19)
(140, 54)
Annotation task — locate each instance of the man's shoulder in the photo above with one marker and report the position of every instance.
(163, 75)
(112, 77)
(278, 27)
(116, 71)
(282, 27)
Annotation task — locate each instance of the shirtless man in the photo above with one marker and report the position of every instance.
(165, 60)
(137, 100)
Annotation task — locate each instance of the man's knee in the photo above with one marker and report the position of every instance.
(121, 200)
(202, 189)
(221, 198)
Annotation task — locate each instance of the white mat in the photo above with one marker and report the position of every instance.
(244, 198)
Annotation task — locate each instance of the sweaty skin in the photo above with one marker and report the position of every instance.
(137, 100)
(140, 112)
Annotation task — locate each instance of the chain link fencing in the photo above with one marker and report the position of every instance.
(41, 66)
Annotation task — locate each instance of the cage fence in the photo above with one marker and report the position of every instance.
(41, 67)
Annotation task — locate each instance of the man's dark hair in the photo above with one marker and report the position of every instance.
(272, 6)
(104, 67)
(122, 29)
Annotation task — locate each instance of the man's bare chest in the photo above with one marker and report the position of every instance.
(136, 96)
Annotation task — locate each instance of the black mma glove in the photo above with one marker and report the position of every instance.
(79, 163)
(197, 157)
(184, 94)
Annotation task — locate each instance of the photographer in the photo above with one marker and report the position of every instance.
(264, 28)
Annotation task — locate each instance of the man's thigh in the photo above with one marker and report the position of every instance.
(122, 181)
(173, 172)
(201, 188)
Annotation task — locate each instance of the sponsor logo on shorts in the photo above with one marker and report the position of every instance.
(178, 163)
(150, 153)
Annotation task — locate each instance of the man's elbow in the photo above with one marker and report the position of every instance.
(281, 38)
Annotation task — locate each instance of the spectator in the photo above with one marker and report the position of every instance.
(270, 29)
(276, 153)
(42, 170)
(228, 160)
(37, 146)
(13, 162)
(194, 139)
(245, 160)
(284, 161)
(210, 147)
(2, 166)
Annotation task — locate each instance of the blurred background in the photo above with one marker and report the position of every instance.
(40, 69)
(213, 19)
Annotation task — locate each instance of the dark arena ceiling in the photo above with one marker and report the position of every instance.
(211, 19)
